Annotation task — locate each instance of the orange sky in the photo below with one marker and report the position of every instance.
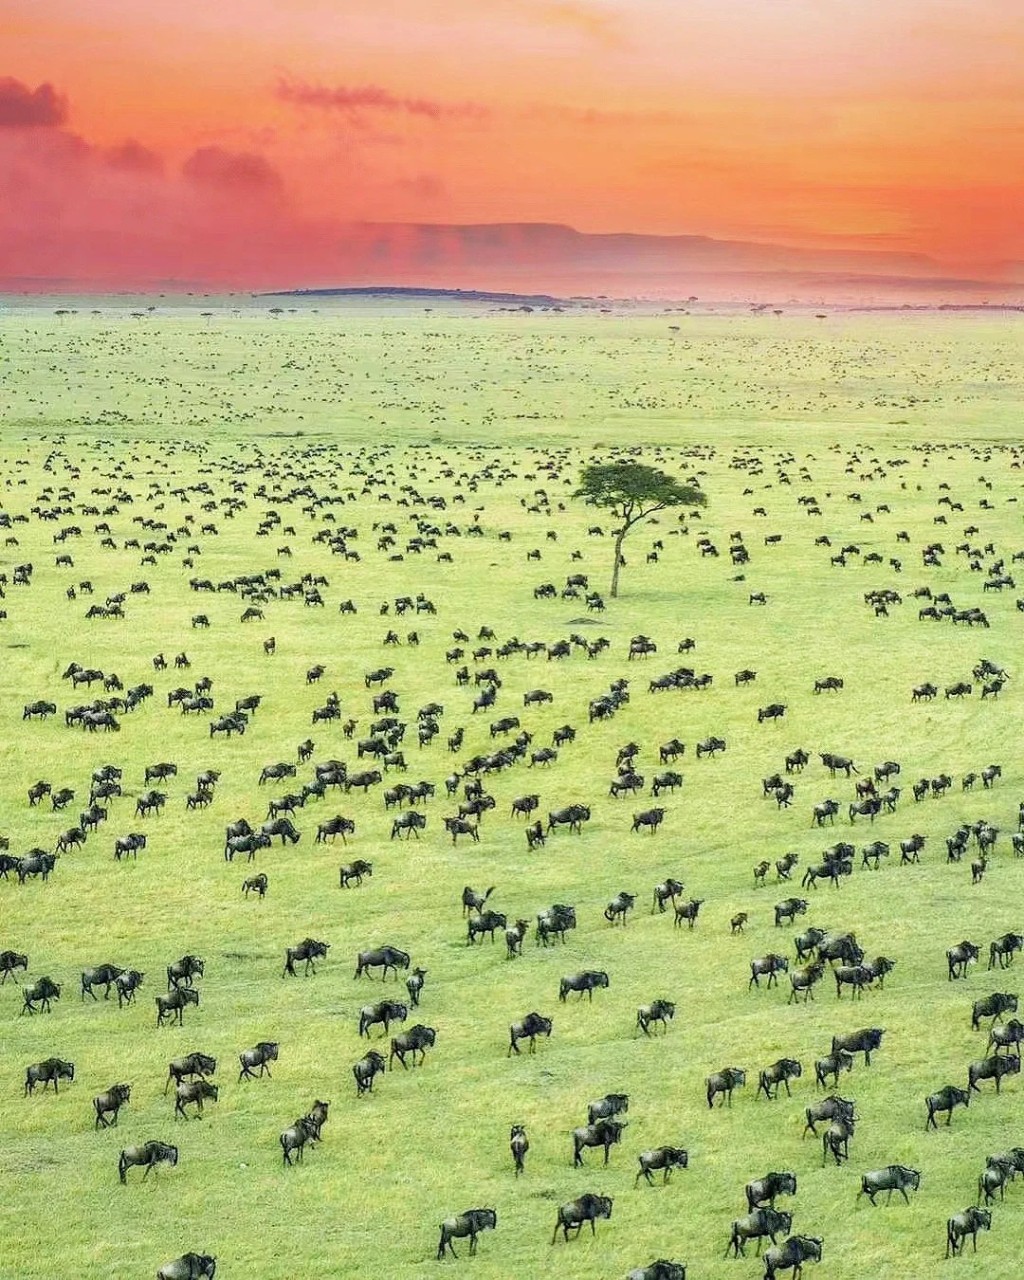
(258, 130)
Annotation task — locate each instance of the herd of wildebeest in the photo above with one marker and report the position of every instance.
(427, 505)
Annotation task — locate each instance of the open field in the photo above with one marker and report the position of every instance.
(448, 422)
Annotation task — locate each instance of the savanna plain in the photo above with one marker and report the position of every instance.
(219, 442)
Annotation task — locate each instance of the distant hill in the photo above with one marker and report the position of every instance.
(418, 293)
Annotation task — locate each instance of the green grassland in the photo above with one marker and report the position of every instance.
(469, 408)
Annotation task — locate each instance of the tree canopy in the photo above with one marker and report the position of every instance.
(633, 491)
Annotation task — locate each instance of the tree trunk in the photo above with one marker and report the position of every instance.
(620, 537)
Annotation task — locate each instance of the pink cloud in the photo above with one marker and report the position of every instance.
(371, 97)
(239, 171)
(25, 108)
(133, 157)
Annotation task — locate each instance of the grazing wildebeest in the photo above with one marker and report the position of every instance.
(255, 884)
(384, 958)
(173, 1004)
(190, 1266)
(519, 1145)
(804, 980)
(962, 1225)
(309, 949)
(1002, 950)
(687, 911)
(386, 1012)
(796, 760)
(365, 1070)
(602, 1133)
(835, 1141)
(959, 957)
(193, 1091)
(588, 1208)
(192, 1065)
(293, 1140)
(469, 1224)
(895, 1177)
(710, 747)
(657, 1011)
(791, 1255)
(149, 1154)
(992, 1068)
(948, 1097)
(780, 1072)
(417, 1039)
(772, 964)
(40, 992)
(787, 910)
(723, 1082)
(104, 975)
(865, 1041)
(184, 970)
(283, 827)
(528, 1028)
(585, 981)
(759, 1224)
(110, 1103)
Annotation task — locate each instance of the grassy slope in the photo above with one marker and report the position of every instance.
(433, 1141)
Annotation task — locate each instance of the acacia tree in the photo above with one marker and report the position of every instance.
(633, 492)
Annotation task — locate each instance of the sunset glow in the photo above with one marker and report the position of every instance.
(236, 144)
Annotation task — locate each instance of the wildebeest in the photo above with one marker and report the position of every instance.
(336, 826)
(184, 970)
(992, 1006)
(9, 962)
(657, 1011)
(309, 949)
(40, 992)
(780, 1072)
(687, 911)
(788, 909)
(194, 1092)
(602, 1133)
(384, 958)
(190, 1266)
(417, 1039)
(962, 1225)
(959, 957)
(664, 1158)
(172, 1006)
(895, 1177)
(192, 1065)
(759, 1224)
(992, 1068)
(365, 1070)
(865, 1041)
(384, 1012)
(617, 910)
(832, 1065)
(149, 1154)
(573, 816)
(762, 1191)
(1007, 1036)
(723, 1082)
(649, 818)
(586, 981)
(662, 1269)
(469, 1224)
(831, 1108)
(104, 975)
(772, 964)
(260, 1055)
(293, 1140)
(588, 1208)
(528, 1028)
(948, 1097)
(354, 871)
(109, 1103)
(1003, 949)
(804, 979)
(791, 1255)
